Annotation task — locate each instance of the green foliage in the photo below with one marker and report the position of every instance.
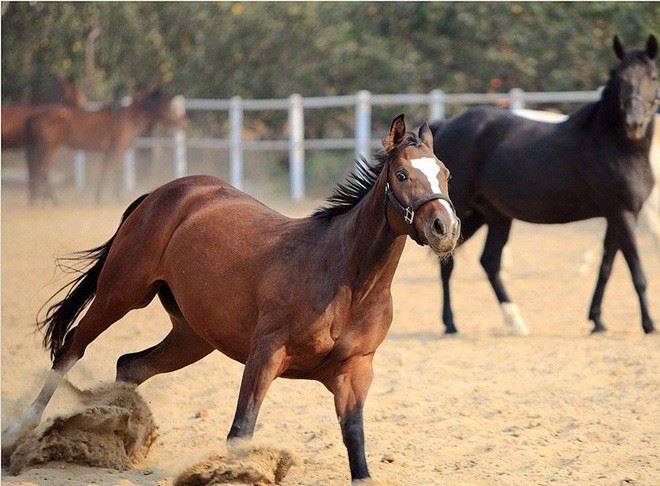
(267, 50)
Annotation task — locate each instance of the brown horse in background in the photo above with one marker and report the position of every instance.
(15, 115)
(111, 129)
(299, 298)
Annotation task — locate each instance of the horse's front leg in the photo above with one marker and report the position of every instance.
(610, 247)
(625, 228)
(264, 364)
(350, 387)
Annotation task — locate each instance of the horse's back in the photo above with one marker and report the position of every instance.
(525, 169)
(460, 144)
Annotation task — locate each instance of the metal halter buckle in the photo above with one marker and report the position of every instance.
(409, 215)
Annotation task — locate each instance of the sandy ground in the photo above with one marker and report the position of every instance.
(557, 407)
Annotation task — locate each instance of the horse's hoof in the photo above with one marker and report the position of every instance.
(450, 331)
(598, 329)
(650, 330)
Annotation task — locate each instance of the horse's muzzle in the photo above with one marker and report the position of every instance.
(442, 233)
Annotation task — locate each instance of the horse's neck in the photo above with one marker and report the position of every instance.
(371, 250)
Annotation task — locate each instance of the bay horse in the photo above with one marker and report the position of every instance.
(15, 115)
(594, 164)
(111, 130)
(301, 298)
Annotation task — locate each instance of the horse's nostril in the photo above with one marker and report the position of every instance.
(438, 227)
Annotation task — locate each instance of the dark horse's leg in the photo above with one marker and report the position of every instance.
(625, 225)
(491, 261)
(263, 365)
(611, 246)
(350, 387)
(470, 224)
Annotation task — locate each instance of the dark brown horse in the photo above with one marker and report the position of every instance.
(15, 115)
(111, 130)
(298, 298)
(594, 164)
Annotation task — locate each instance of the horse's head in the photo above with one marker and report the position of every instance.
(416, 190)
(637, 79)
(164, 108)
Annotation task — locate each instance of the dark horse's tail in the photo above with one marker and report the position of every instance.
(61, 315)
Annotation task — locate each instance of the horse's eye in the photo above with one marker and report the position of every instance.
(401, 176)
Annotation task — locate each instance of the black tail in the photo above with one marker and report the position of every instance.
(61, 315)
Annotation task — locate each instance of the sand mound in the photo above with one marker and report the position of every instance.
(114, 429)
(240, 465)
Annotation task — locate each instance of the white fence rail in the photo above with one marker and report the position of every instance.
(436, 101)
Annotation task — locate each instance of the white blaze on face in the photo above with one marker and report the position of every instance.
(430, 168)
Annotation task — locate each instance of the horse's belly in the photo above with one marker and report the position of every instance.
(545, 197)
(542, 210)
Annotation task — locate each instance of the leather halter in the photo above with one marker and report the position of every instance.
(408, 212)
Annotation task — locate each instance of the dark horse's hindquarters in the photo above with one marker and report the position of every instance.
(595, 164)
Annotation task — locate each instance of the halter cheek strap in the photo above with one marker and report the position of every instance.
(408, 212)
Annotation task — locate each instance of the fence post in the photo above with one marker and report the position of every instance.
(180, 155)
(79, 170)
(129, 170)
(296, 147)
(363, 124)
(235, 142)
(436, 105)
(516, 99)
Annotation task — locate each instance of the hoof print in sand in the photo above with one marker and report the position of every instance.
(257, 466)
(114, 429)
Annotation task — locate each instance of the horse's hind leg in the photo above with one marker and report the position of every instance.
(180, 348)
(491, 261)
(110, 304)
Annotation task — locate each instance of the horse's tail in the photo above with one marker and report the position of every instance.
(61, 315)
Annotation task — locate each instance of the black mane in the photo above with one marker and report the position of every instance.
(359, 182)
(351, 191)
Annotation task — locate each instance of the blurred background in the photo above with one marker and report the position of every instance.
(353, 52)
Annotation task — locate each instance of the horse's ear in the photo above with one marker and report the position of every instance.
(425, 135)
(618, 47)
(397, 131)
(651, 47)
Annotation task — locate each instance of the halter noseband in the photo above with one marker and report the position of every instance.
(408, 212)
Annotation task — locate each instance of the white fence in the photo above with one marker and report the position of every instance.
(296, 144)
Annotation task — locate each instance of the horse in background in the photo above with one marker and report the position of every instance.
(63, 91)
(111, 130)
(594, 164)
